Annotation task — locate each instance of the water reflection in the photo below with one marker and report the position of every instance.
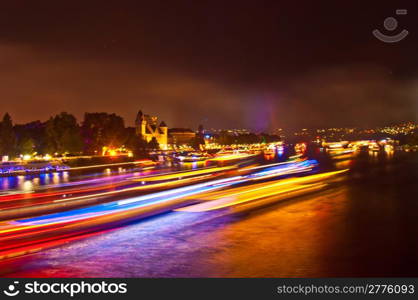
(290, 239)
(364, 225)
(30, 182)
(27, 186)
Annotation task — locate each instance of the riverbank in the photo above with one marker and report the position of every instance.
(68, 165)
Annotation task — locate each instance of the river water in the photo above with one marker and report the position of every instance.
(364, 225)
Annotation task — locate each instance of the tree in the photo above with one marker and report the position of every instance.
(135, 143)
(26, 146)
(63, 135)
(7, 137)
(102, 129)
(50, 145)
(153, 144)
(71, 141)
(68, 139)
(34, 131)
(412, 139)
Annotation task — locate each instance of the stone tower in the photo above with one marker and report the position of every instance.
(146, 128)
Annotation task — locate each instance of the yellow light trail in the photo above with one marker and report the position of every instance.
(232, 157)
(223, 199)
(185, 174)
(137, 188)
(251, 168)
(103, 166)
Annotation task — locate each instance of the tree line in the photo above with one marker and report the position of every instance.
(63, 135)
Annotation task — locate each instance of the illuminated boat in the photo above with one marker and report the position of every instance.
(374, 147)
(193, 157)
(341, 153)
(234, 156)
(18, 168)
(145, 162)
(389, 148)
(300, 148)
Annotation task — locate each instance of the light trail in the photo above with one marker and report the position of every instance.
(92, 199)
(113, 207)
(241, 195)
(233, 200)
(103, 166)
(107, 190)
(271, 172)
(232, 157)
(183, 174)
(29, 233)
(267, 166)
(99, 183)
(285, 169)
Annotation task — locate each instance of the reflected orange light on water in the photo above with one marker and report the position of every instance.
(290, 241)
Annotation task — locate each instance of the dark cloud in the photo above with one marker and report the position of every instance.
(256, 64)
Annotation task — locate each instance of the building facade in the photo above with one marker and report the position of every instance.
(181, 136)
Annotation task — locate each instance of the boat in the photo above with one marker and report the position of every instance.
(30, 167)
(193, 157)
(234, 155)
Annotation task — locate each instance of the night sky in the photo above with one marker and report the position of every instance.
(223, 64)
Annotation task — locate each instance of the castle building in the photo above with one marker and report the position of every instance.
(147, 128)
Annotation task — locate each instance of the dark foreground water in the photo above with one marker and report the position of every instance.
(365, 225)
